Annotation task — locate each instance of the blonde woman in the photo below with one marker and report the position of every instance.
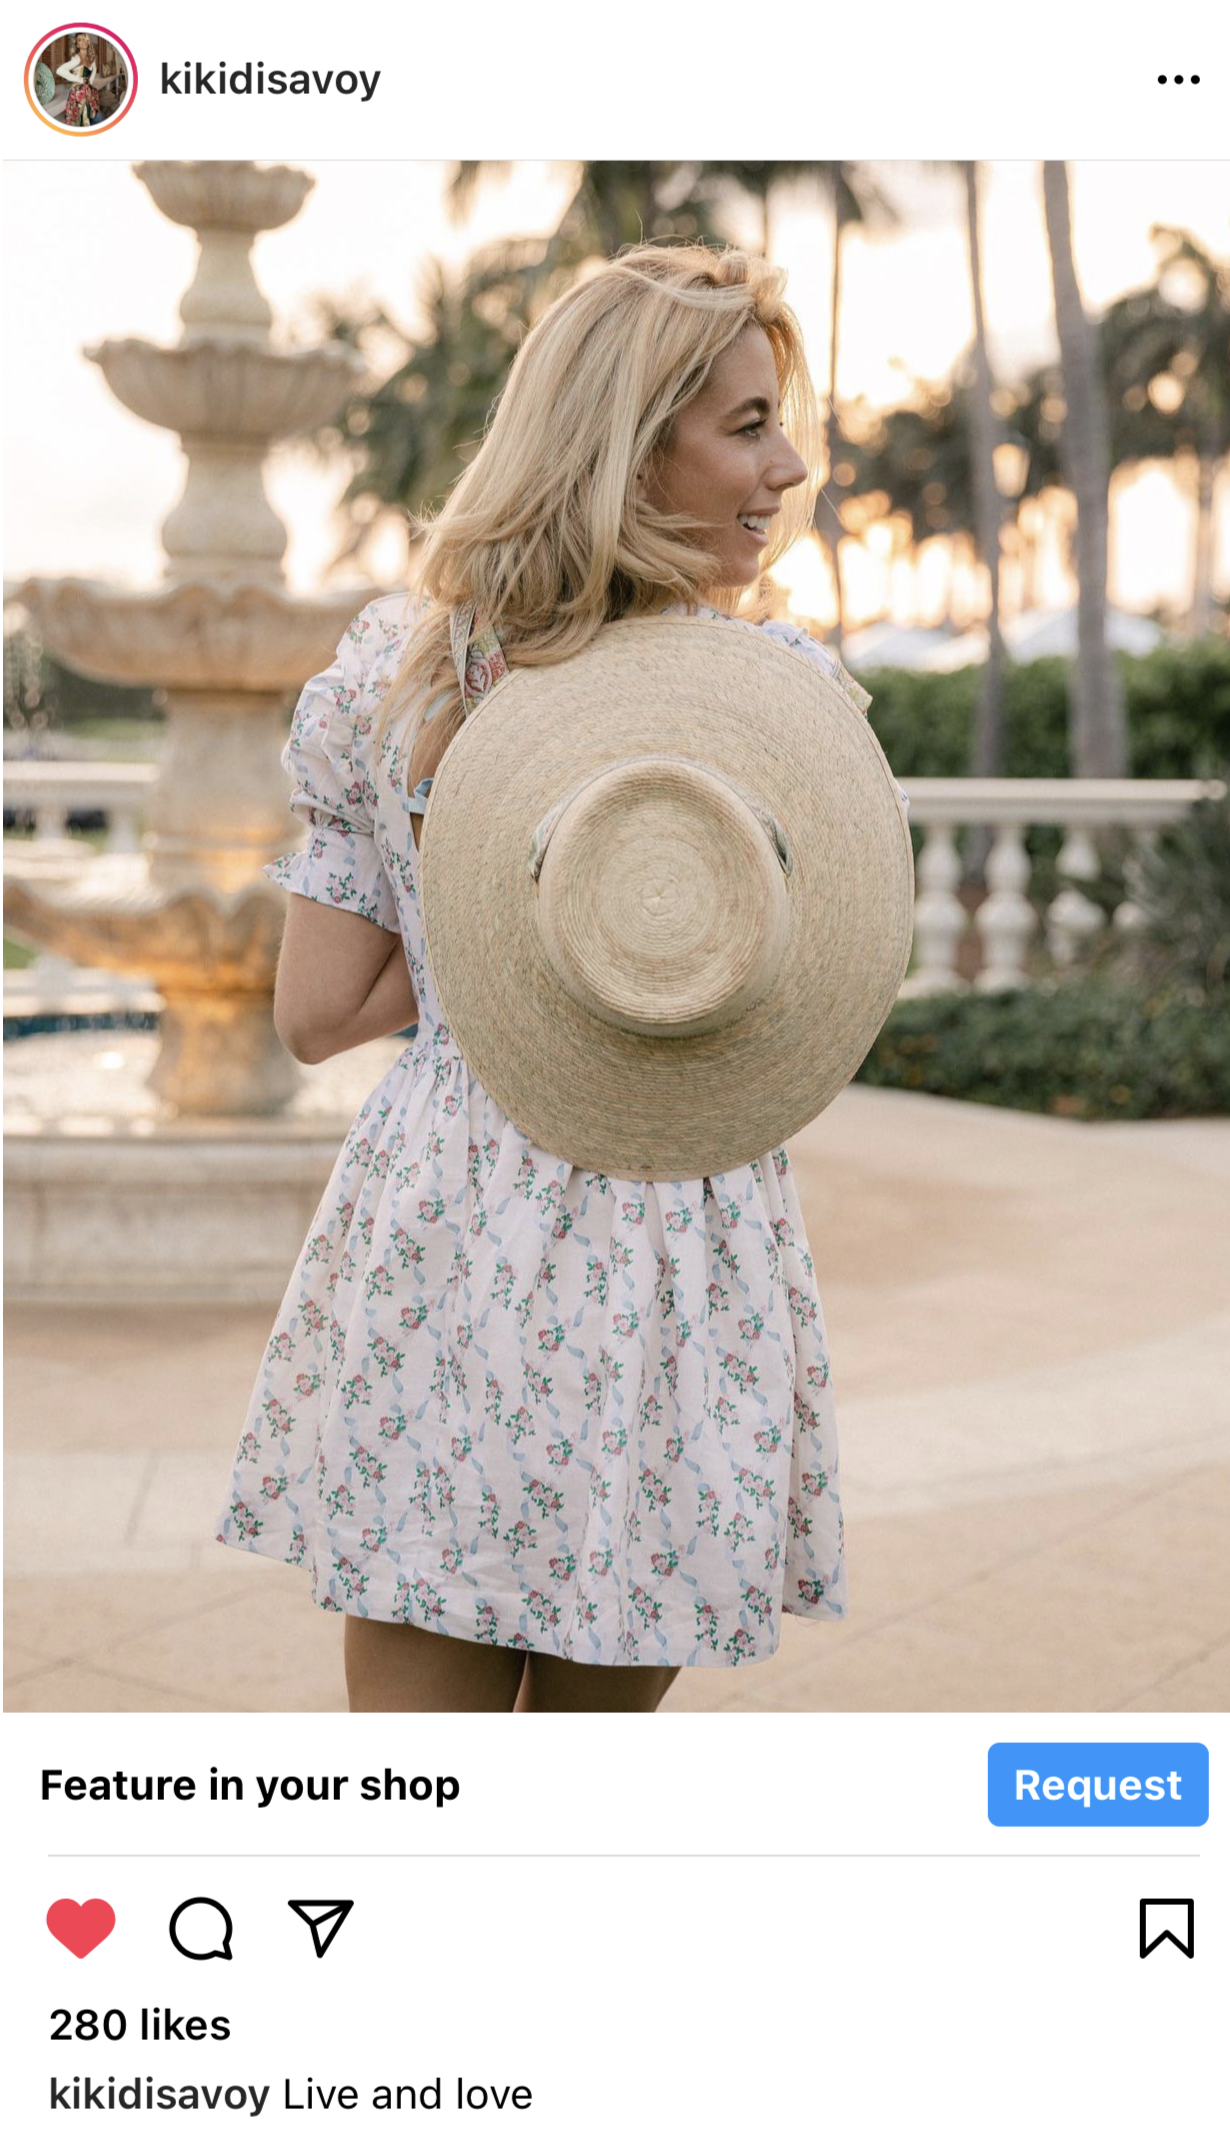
(81, 70)
(433, 1433)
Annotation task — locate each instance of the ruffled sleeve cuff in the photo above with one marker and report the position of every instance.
(339, 863)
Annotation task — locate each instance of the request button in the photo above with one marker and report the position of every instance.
(1098, 1785)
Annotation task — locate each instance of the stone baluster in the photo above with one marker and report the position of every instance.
(1072, 918)
(1007, 919)
(123, 831)
(1129, 916)
(49, 981)
(50, 823)
(939, 918)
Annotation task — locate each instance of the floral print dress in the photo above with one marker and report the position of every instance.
(506, 1398)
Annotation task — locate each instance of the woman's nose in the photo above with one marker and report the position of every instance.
(791, 471)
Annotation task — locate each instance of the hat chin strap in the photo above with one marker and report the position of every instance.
(661, 899)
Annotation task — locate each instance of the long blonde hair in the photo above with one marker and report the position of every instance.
(550, 529)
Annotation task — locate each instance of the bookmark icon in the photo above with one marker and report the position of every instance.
(1168, 1922)
(324, 1918)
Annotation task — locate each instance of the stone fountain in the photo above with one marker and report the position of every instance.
(191, 1166)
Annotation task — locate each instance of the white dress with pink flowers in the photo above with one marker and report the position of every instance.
(506, 1398)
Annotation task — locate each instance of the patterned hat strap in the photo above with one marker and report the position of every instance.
(461, 622)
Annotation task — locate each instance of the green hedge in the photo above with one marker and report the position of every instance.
(1088, 1049)
(1178, 714)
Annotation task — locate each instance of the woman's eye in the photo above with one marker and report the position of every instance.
(753, 428)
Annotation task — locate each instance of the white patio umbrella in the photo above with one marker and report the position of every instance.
(1038, 633)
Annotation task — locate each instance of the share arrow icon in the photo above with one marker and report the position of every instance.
(324, 1918)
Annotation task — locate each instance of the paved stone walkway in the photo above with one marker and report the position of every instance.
(1030, 1339)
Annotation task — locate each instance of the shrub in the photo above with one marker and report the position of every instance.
(1177, 702)
(1182, 890)
(1092, 1048)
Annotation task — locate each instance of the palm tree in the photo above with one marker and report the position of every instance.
(912, 462)
(847, 207)
(417, 428)
(428, 417)
(611, 204)
(1099, 733)
(1168, 383)
(988, 758)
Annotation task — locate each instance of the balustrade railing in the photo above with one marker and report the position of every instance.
(1008, 923)
(48, 791)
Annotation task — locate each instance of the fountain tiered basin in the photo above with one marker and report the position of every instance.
(226, 385)
(210, 1100)
(213, 635)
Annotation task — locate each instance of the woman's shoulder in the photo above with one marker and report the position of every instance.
(370, 651)
(335, 710)
(383, 626)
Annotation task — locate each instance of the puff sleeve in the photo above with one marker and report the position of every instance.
(819, 654)
(339, 862)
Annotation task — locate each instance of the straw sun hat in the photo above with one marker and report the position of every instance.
(667, 893)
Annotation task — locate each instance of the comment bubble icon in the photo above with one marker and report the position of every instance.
(201, 1929)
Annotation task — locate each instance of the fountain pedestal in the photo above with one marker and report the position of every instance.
(186, 1164)
(193, 914)
(106, 1201)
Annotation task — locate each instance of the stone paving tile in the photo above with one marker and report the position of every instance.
(76, 1619)
(1150, 1406)
(1202, 1687)
(217, 1561)
(249, 1644)
(181, 1500)
(1198, 1142)
(20, 1663)
(130, 1377)
(952, 1241)
(1025, 1329)
(1076, 1623)
(899, 1563)
(266, 1650)
(1031, 1604)
(252, 1640)
(53, 1503)
(76, 1689)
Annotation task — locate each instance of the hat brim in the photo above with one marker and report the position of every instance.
(654, 1107)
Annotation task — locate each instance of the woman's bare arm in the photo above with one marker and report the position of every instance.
(341, 981)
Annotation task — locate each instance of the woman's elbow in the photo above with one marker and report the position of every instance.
(307, 1044)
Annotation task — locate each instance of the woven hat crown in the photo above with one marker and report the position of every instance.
(667, 895)
(661, 898)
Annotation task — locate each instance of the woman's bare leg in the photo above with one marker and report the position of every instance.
(407, 1670)
(554, 1687)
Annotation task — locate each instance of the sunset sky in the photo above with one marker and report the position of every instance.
(89, 484)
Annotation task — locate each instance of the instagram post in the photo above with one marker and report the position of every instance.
(617, 1070)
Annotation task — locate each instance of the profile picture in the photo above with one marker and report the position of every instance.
(81, 79)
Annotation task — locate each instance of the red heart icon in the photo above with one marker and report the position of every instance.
(80, 1928)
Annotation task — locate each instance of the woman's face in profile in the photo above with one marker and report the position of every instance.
(728, 460)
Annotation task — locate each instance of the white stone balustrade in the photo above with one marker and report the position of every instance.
(1006, 920)
(51, 790)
